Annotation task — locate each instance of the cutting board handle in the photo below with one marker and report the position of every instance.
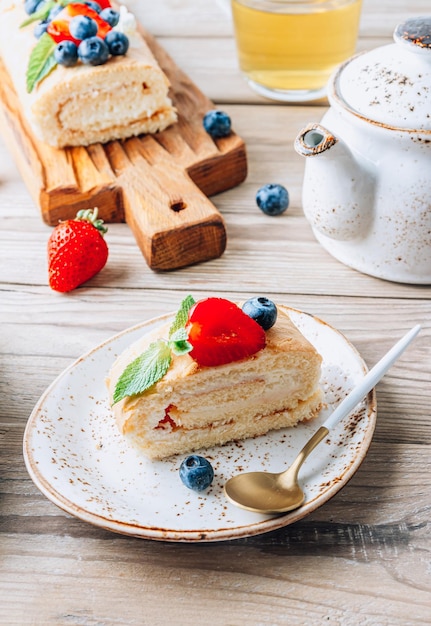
(174, 230)
(174, 223)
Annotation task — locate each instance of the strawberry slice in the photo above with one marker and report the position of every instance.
(220, 332)
(59, 30)
(59, 27)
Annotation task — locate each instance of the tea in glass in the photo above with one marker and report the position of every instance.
(288, 49)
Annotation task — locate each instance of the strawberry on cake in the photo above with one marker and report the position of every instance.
(218, 373)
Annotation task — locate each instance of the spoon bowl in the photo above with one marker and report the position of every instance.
(263, 492)
(271, 493)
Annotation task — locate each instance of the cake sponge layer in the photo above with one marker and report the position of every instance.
(194, 407)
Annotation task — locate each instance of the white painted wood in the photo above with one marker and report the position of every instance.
(363, 558)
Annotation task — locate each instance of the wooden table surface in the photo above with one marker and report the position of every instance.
(364, 557)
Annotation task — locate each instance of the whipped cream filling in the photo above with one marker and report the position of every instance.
(127, 24)
(169, 423)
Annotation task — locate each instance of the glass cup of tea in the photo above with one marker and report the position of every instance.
(287, 49)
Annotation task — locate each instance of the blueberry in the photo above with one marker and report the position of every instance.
(196, 472)
(40, 29)
(117, 43)
(261, 310)
(31, 6)
(82, 27)
(54, 12)
(93, 5)
(93, 51)
(217, 124)
(110, 16)
(272, 199)
(66, 53)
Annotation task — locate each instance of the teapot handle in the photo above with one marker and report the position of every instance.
(314, 139)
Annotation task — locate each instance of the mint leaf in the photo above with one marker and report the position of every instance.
(180, 347)
(41, 61)
(144, 371)
(182, 315)
(152, 365)
(41, 14)
(179, 335)
(179, 343)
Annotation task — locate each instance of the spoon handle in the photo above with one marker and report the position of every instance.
(371, 379)
(318, 436)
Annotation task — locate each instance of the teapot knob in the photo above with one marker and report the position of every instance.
(415, 34)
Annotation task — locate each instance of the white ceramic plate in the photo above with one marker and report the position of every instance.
(78, 459)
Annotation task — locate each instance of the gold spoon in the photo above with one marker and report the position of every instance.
(264, 492)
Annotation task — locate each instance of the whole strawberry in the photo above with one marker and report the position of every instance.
(77, 251)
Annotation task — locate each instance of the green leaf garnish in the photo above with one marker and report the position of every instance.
(41, 14)
(144, 372)
(41, 61)
(148, 368)
(178, 342)
(182, 315)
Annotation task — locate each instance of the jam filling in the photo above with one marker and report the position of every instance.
(167, 423)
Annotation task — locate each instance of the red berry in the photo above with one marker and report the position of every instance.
(76, 251)
(221, 333)
(59, 27)
(59, 30)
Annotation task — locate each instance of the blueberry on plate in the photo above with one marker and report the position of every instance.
(111, 16)
(217, 123)
(196, 472)
(272, 199)
(66, 53)
(262, 310)
(93, 51)
(117, 43)
(82, 27)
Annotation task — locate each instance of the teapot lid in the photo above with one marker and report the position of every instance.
(391, 85)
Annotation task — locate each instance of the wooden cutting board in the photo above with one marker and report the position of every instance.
(159, 184)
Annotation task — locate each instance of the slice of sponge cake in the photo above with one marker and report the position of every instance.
(196, 406)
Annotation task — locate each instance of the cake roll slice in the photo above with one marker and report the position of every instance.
(196, 406)
(84, 104)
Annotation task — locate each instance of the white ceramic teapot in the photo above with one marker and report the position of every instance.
(367, 184)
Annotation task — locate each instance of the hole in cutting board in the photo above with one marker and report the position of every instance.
(178, 205)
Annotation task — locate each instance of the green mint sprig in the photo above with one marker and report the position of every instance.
(41, 62)
(182, 315)
(149, 367)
